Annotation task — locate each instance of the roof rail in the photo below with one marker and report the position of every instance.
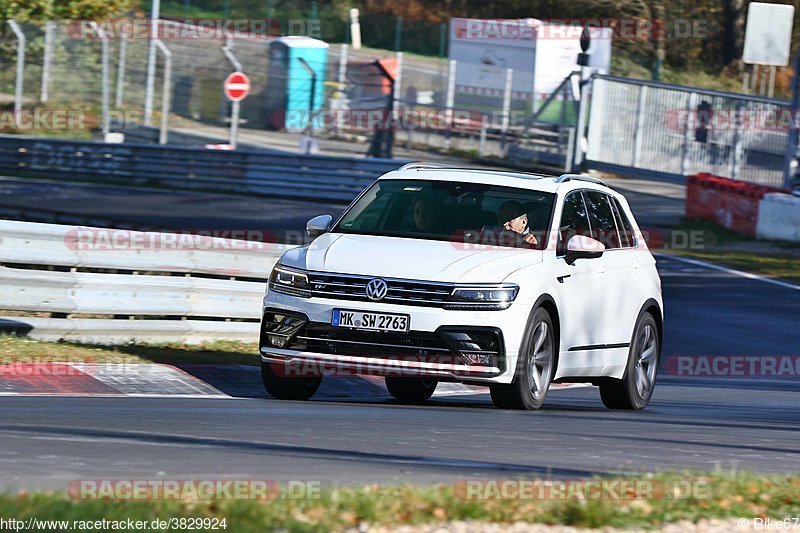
(424, 164)
(579, 177)
(421, 165)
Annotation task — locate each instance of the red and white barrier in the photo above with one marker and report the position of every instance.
(752, 210)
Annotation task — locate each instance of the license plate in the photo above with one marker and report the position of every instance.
(366, 320)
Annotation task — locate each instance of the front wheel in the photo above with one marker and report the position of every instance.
(535, 367)
(281, 384)
(411, 390)
(636, 387)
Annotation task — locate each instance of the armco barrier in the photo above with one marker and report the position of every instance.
(121, 274)
(274, 174)
(731, 204)
(779, 217)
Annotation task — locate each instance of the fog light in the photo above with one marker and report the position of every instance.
(480, 359)
(277, 340)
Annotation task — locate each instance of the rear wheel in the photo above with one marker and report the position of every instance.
(281, 384)
(411, 390)
(636, 387)
(535, 367)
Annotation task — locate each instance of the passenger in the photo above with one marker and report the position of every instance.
(513, 217)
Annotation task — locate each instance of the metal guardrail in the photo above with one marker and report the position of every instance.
(285, 175)
(119, 274)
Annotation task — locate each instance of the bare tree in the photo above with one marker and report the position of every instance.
(733, 37)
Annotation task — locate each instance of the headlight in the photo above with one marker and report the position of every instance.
(289, 281)
(487, 297)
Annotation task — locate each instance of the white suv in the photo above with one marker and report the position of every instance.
(497, 278)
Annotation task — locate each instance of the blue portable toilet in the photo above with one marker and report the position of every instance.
(288, 95)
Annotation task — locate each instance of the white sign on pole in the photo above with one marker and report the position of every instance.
(768, 36)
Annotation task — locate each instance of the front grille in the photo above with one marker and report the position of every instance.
(353, 287)
(464, 345)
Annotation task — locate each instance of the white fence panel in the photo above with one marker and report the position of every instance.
(114, 294)
(79, 246)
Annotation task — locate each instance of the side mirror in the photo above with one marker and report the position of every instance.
(319, 225)
(580, 247)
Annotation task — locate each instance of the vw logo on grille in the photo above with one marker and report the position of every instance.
(376, 289)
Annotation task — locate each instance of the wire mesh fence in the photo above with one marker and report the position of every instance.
(684, 130)
(633, 125)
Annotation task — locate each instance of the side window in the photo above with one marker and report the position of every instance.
(626, 233)
(604, 227)
(574, 221)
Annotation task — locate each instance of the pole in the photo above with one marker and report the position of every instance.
(451, 93)
(310, 123)
(755, 79)
(155, 10)
(398, 32)
(49, 27)
(482, 141)
(580, 127)
(771, 92)
(234, 136)
(790, 156)
(355, 29)
(342, 76)
(123, 48)
(338, 103)
(165, 96)
(105, 89)
(18, 88)
(228, 51)
(581, 123)
(442, 37)
(507, 100)
(269, 17)
(398, 80)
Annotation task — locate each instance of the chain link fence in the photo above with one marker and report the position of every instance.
(670, 129)
(635, 127)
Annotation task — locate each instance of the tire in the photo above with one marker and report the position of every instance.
(411, 390)
(636, 387)
(538, 353)
(287, 387)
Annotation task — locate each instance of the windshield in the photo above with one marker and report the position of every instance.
(455, 211)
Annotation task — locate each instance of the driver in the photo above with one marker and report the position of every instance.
(512, 217)
(427, 215)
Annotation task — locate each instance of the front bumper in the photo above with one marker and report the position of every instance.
(428, 349)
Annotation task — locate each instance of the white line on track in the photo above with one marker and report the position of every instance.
(748, 275)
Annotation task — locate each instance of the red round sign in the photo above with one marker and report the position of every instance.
(236, 86)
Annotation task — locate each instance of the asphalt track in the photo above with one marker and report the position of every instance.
(691, 423)
(55, 201)
(40, 200)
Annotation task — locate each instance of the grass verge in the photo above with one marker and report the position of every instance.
(20, 349)
(717, 495)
